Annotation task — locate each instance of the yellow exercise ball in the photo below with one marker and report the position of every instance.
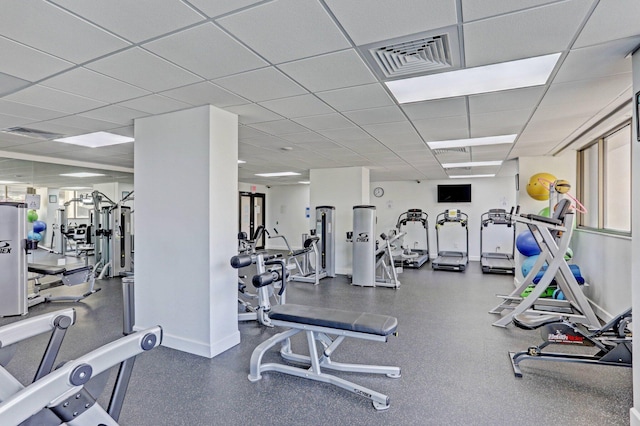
(562, 186)
(538, 186)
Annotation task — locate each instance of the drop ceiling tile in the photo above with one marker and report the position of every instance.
(124, 131)
(44, 97)
(114, 114)
(436, 109)
(261, 85)
(279, 127)
(505, 100)
(252, 113)
(220, 7)
(186, 49)
(50, 126)
(594, 92)
(358, 97)
(298, 106)
(90, 84)
(323, 122)
(514, 119)
(610, 20)
(154, 104)
(389, 114)
(286, 30)
(246, 132)
(391, 130)
(533, 32)
(39, 148)
(348, 134)
(204, 93)
(478, 9)
(88, 125)
(9, 84)
(135, 20)
(391, 19)
(140, 68)
(28, 111)
(7, 121)
(28, 63)
(54, 31)
(366, 146)
(305, 138)
(446, 128)
(331, 71)
(597, 61)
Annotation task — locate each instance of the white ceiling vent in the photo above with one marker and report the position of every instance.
(439, 151)
(33, 133)
(418, 54)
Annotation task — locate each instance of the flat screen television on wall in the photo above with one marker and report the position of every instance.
(454, 193)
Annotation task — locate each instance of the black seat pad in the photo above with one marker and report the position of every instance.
(361, 322)
(46, 269)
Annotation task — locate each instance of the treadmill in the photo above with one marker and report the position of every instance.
(497, 262)
(451, 260)
(413, 257)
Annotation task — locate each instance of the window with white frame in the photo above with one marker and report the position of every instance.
(604, 168)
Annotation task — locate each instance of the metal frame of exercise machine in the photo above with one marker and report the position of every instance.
(451, 260)
(299, 261)
(553, 236)
(264, 294)
(330, 327)
(14, 279)
(63, 392)
(497, 262)
(613, 341)
(413, 257)
(112, 230)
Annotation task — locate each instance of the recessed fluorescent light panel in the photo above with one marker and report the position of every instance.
(471, 176)
(278, 174)
(241, 161)
(304, 182)
(96, 140)
(471, 164)
(457, 143)
(7, 182)
(489, 78)
(82, 174)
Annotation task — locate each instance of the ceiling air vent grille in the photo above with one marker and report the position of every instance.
(33, 133)
(439, 151)
(418, 54)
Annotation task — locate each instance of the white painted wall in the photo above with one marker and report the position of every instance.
(342, 188)
(286, 211)
(635, 247)
(486, 193)
(183, 280)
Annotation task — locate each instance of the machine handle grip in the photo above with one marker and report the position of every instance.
(241, 260)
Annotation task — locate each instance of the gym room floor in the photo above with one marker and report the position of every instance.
(455, 367)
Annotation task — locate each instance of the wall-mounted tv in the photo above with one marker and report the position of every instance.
(454, 193)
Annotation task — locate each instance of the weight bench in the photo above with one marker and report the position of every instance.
(318, 324)
(69, 276)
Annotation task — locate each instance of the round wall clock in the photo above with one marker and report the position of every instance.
(378, 192)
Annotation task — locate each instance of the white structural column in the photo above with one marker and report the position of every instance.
(186, 189)
(342, 188)
(635, 242)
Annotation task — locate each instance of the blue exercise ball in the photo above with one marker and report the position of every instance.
(39, 226)
(34, 236)
(528, 263)
(526, 244)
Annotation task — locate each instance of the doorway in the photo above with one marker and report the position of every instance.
(252, 215)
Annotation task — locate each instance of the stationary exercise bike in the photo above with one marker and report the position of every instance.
(276, 291)
(613, 340)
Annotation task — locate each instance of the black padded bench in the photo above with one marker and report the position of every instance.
(68, 275)
(319, 324)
